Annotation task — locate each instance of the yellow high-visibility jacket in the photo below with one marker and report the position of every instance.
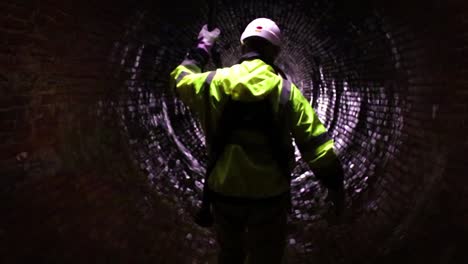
(243, 172)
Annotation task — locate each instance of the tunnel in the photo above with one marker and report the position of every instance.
(102, 163)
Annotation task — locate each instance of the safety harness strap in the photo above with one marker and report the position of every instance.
(209, 127)
(285, 92)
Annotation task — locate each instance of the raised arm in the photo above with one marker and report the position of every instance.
(188, 78)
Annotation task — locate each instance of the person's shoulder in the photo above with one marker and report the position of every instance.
(228, 71)
(289, 84)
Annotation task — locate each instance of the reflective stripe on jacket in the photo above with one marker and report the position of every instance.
(251, 172)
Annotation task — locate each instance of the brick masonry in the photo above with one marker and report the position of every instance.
(90, 167)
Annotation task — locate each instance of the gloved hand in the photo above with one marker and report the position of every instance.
(207, 39)
(204, 217)
(337, 199)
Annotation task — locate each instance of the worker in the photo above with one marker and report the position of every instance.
(250, 112)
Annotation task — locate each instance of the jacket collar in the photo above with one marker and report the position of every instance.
(255, 55)
(250, 56)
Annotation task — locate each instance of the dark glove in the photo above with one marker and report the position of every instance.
(204, 217)
(207, 39)
(337, 198)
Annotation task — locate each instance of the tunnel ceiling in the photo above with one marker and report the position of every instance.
(387, 80)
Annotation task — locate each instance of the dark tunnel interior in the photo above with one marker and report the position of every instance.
(100, 162)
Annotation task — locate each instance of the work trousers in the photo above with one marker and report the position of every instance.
(253, 232)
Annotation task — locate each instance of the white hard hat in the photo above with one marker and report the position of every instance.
(264, 28)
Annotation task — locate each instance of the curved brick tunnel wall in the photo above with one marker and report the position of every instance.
(101, 163)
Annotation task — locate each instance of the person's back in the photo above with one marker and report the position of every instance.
(249, 112)
(248, 168)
